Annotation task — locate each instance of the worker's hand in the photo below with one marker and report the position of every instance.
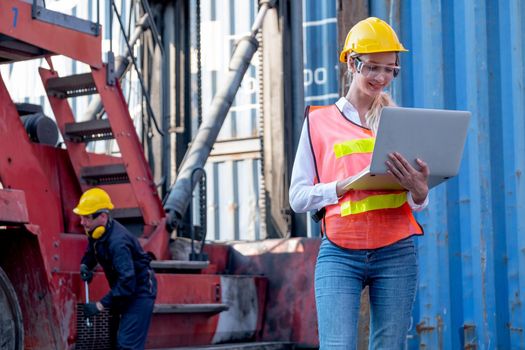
(415, 181)
(85, 274)
(91, 309)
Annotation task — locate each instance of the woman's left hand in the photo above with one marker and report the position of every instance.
(415, 181)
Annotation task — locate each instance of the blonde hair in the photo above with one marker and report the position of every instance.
(372, 116)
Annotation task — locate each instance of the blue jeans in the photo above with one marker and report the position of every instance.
(391, 274)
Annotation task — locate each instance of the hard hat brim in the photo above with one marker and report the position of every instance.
(81, 212)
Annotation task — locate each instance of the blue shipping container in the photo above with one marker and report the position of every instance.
(466, 55)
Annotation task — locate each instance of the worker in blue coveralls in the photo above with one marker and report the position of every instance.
(126, 266)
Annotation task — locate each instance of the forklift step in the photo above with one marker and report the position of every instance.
(105, 174)
(189, 308)
(72, 86)
(240, 346)
(177, 266)
(93, 130)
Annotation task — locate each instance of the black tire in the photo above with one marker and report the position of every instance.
(11, 325)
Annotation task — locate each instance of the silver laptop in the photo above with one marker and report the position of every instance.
(434, 135)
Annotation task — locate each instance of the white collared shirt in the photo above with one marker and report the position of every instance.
(304, 194)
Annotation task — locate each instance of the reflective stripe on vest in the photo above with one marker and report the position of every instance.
(381, 201)
(354, 146)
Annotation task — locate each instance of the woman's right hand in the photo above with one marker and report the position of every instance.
(414, 180)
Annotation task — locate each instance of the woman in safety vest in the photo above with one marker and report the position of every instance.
(368, 235)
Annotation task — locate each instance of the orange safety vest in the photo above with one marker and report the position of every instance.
(362, 219)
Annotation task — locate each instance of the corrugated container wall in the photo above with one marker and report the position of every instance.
(470, 55)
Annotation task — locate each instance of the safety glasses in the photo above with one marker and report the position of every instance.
(372, 70)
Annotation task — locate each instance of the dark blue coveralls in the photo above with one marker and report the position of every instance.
(131, 279)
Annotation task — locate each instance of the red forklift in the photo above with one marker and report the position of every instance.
(223, 296)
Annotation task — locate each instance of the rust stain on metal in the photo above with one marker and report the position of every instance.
(232, 207)
(423, 327)
(469, 334)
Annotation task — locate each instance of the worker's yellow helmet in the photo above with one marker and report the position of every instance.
(92, 201)
(369, 36)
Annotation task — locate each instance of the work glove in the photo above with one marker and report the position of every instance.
(85, 274)
(91, 309)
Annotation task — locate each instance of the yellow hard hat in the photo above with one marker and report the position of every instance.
(371, 35)
(93, 200)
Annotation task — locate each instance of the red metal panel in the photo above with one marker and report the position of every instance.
(72, 248)
(188, 288)
(66, 183)
(13, 208)
(181, 330)
(21, 168)
(289, 266)
(218, 255)
(62, 179)
(16, 22)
